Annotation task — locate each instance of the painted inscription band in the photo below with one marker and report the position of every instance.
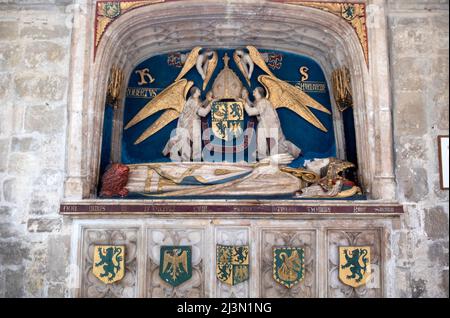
(74, 209)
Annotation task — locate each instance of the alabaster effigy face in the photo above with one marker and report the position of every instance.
(192, 129)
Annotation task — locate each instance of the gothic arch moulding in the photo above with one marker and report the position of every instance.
(137, 30)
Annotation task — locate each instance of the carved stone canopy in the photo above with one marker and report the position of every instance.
(227, 84)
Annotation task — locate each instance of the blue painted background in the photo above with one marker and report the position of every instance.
(313, 142)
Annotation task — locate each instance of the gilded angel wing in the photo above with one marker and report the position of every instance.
(238, 62)
(190, 62)
(166, 118)
(173, 96)
(280, 95)
(172, 99)
(258, 59)
(212, 64)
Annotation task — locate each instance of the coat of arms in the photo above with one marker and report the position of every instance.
(109, 263)
(288, 265)
(354, 265)
(232, 264)
(111, 10)
(176, 264)
(227, 119)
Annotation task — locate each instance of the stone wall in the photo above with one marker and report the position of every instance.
(35, 37)
(34, 67)
(419, 74)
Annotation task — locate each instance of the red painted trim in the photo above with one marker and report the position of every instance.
(275, 1)
(211, 209)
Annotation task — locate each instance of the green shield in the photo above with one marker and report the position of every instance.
(288, 265)
(175, 264)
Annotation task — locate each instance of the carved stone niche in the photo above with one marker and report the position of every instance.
(156, 287)
(178, 25)
(92, 287)
(229, 235)
(355, 237)
(280, 237)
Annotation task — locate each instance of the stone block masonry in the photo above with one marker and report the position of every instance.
(35, 44)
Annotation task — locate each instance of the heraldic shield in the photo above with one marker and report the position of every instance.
(109, 263)
(288, 265)
(232, 264)
(227, 119)
(354, 265)
(175, 264)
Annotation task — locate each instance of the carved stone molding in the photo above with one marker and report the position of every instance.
(283, 237)
(144, 237)
(91, 286)
(362, 237)
(194, 287)
(163, 27)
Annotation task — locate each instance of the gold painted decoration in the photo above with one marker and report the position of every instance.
(175, 264)
(232, 264)
(227, 119)
(144, 75)
(288, 265)
(303, 174)
(114, 86)
(282, 94)
(212, 64)
(172, 99)
(352, 13)
(258, 59)
(191, 60)
(108, 11)
(354, 265)
(109, 263)
(238, 62)
(342, 89)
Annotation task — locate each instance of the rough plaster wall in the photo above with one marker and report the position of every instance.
(419, 54)
(34, 69)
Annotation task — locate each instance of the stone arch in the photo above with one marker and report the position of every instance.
(164, 27)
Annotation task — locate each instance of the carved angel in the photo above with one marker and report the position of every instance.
(185, 142)
(206, 64)
(269, 135)
(245, 64)
(173, 98)
(283, 94)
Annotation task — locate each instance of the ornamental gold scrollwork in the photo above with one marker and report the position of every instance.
(353, 13)
(342, 89)
(115, 86)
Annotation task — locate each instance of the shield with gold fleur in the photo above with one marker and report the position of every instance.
(109, 263)
(227, 119)
(288, 265)
(354, 265)
(232, 264)
(175, 264)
